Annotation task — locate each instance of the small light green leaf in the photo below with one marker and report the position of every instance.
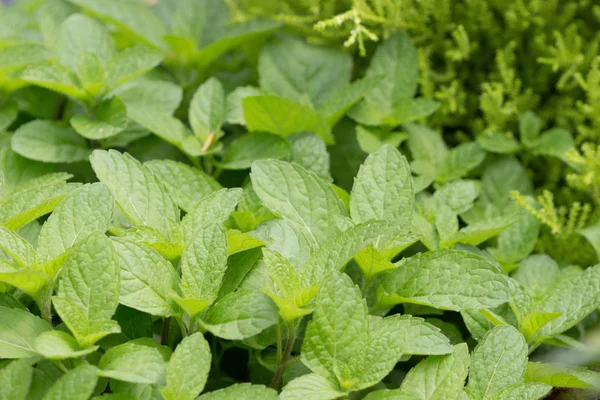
(238, 391)
(30, 281)
(534, 322)
(240, 315)
(147, 278)
(76, 384)
(90, 72)
(131, 63)
(203, 263)
(150, 96)
(313, 209)
(438, 377)
(371, 140)
(135, 363)
(188, 369)
(88, 292)
(208, 109)
(280, 236)
(537, 273)
(171, 249)
(446, 279)
(212, 209)
(524, 391)
(372, 263)
(481, 231)
(17, 247)
(383, 190)
(140, 195)
(500, 178)
(334, 254)
(15, 379)
(175, 175)
(517, 241)
(238, 241)
(110, 119)
(283, 117)
(283, 70)
(58, 345)
(18, 331)
(242, 152)
(554, 142)
(49, 141)
(311, 386)
(498, 361)
(562, 376)
(84, 211)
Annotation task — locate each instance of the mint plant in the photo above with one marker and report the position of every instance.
(217, 200)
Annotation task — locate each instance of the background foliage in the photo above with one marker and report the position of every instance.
(371, 199)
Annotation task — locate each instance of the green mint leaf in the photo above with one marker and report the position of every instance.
(77, 384)
(390, 338)
(131, 63)
(135, 20)
(147, 278)
(212, 209)
(15, 379)
(458, 195)
(55, 77)
(282, 273)
(283, 117)
(58, 345)
(396, 59)
(240, 315)
(428, 150)
(135, 363)
(481, 231)
(18, 331)
(20, 55)
(498, 361)
(208, 109)
(517, 241)
(188, 369)
(575, 297)
(241, 390)
(340, 102)
(88, 292)
(18, 248)
(530, 126)
(110, 119)
(371, 262)
(499, 142)
(554, 142)
(537, 273)
(170, 248)
(50, 142)
(8, 114)
(438, 377)
(79, 34)
(446, 279)
(334, 254)
(562, 376)
(90, 73)
(533, 322)
(84, 211)
(338, 329)
(462, 159)
(30, 281)
(524, 391)
(310, 152)
(145, 96)
(242, 152)
(313, 209)
(383, 190)
(140, 195)
(175, 175)
(280, 236)
(235, 112)
(311, 386)
(283, 70)
(203, 263)
(500, 178)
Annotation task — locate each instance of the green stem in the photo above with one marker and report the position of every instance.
(285, 358)
(61, 366)
(367, 282)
